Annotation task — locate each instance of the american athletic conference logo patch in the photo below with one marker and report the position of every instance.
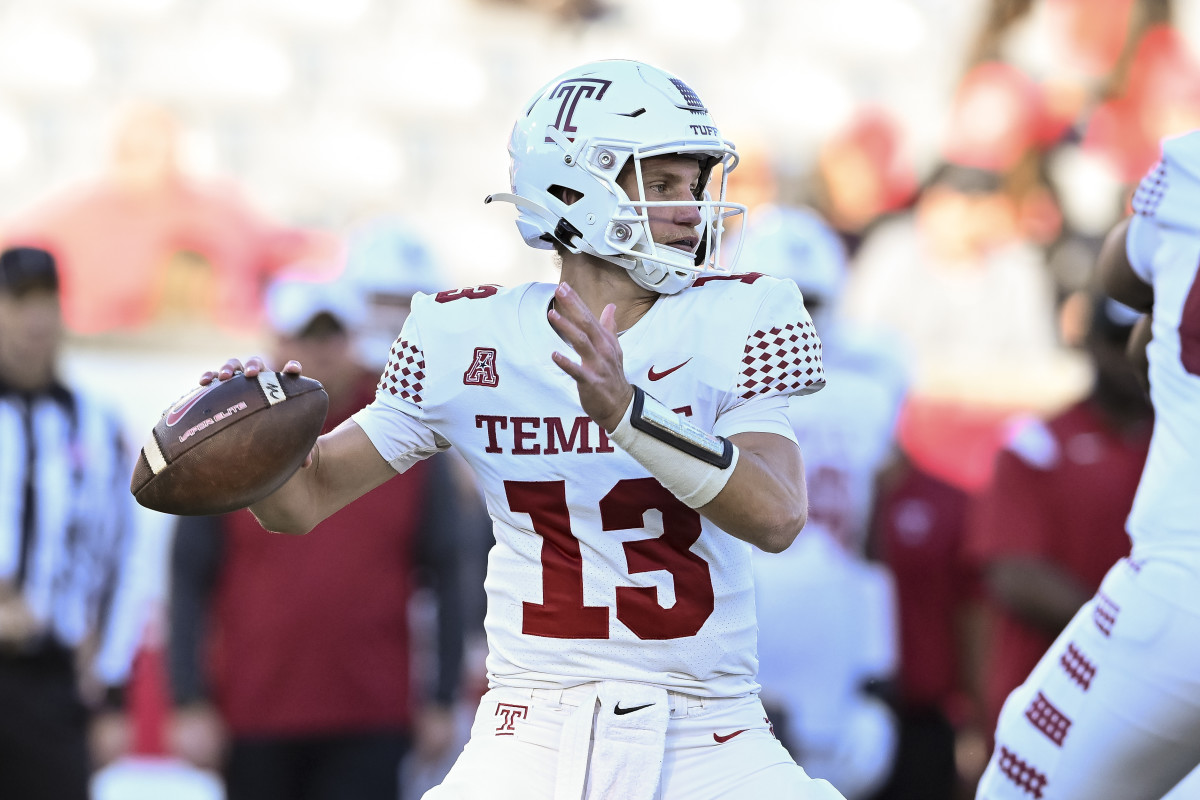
(482, 371)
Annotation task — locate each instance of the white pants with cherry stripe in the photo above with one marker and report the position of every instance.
(1113, 708)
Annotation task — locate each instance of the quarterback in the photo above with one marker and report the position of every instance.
(1113, 708)
(628, 427)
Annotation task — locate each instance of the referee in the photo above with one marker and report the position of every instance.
(65, 537)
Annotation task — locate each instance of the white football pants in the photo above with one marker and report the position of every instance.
(542, 744)
(1113, 708)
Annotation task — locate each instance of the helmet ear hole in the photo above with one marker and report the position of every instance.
(567, 195)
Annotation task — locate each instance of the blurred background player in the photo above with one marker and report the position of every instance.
(1052, 521)
(191, 249)
(292, 660)
(862, 176)
(69, 620)
(386, 264)
(919, 533)
(959, 282)
(1113, 707)
(827, 617)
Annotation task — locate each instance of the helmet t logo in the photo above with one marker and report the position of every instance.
(570, 92)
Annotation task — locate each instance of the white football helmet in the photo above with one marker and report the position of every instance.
(795, 242)
(579, 132)
(386, 264)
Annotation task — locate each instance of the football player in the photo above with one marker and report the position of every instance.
(387, 262)
(1113, 708)
(629, 429)
(831, 698)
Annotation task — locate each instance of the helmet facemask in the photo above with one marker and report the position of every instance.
(660, 266)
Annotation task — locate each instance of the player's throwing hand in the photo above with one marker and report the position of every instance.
(604, 392)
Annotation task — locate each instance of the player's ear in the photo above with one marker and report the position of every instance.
(567, 195)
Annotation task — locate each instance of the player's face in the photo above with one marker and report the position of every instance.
(327, 355)
(30, 333)
(668, 178)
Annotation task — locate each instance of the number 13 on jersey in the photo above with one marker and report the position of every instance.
(562, 613)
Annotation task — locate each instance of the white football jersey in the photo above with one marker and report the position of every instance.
(1163, 244)
(847, 432)
(598, 572)
(828, 622)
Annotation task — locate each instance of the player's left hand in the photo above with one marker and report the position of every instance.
(604, 392)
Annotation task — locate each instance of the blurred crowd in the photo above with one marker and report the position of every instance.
(970, 463)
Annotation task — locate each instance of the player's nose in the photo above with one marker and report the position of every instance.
(688, 215)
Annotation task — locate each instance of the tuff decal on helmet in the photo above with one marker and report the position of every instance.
(580, 132)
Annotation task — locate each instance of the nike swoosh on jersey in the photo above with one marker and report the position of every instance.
(723, 739)
(655, 376)
(618, 710)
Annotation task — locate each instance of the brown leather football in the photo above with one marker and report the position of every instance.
(224, 446)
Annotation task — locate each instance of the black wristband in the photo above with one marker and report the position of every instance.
(651, 417)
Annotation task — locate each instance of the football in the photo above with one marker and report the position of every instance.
(224, 446)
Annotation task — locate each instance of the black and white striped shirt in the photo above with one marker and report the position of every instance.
(66, 519)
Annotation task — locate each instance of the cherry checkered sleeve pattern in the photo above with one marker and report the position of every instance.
(404, 374)
(782, 360)
(1150, 191)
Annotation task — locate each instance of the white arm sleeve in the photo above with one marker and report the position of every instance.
(400, 438)
(765, 413)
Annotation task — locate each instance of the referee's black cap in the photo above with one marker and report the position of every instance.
(26, 269)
